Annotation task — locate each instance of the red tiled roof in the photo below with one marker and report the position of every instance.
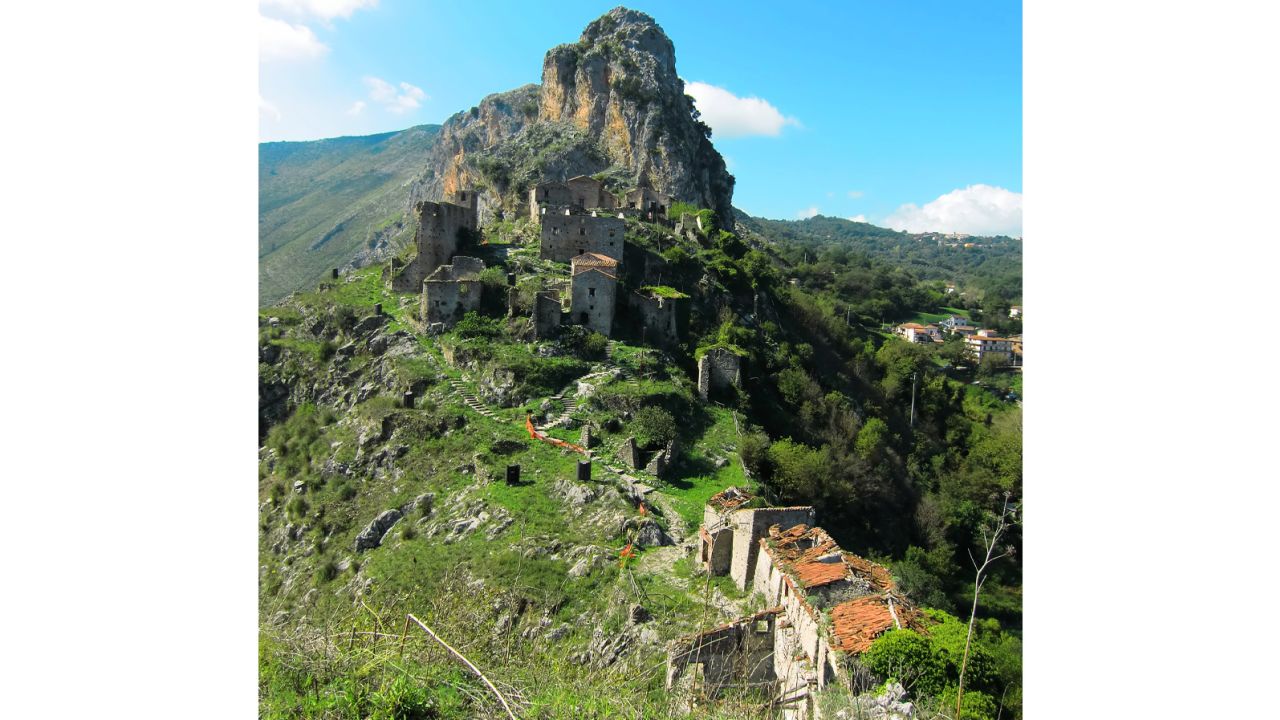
(855, 624)
(730, 498)
(817, 574)
(590, 259)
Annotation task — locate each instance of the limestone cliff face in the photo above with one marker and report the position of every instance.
(449, 167)
(618, 83)
(610, 103)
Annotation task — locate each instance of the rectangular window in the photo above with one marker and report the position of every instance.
(762, 627)
(591, 292)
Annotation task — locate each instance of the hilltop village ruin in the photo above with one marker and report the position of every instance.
(581, 224)
(823, 606)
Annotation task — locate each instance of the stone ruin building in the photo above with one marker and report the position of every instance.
(565, 235)
(593, 292)
(718, 368)
(548, 314)
(451, 291)
(826, 606)
(730, 532)
(440, 226)
(581, 193)
(662, 314)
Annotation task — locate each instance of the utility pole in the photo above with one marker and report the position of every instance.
(913, 400)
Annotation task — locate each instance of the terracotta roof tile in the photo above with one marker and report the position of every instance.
(855, 624)
(590, 259)
(730, 498)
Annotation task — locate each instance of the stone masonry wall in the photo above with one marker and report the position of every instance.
(738, 654)
(592, 300)
(546, 314)
(753, 524)
(661, 317)
(436, 239)
(566, 236)
(452, 290)
(718, 368)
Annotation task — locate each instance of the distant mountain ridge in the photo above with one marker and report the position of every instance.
(331, 203)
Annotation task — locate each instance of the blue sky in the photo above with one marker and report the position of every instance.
(905, 114)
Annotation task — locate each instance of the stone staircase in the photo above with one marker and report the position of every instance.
(569, 396)
(471, 400)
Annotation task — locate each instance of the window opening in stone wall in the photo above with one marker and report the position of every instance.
(762, 626)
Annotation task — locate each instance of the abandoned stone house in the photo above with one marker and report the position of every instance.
(730, 532)
(593, 292)
(440, 227)
(547, 314)
(826, 607)
(451, 291)
(718, 368)
(565, 235)
(579, 193)
(663, 316)
(647, 200)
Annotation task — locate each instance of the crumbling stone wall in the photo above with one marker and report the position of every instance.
(629, 453)
(718, 368)
(547, 314)
(736, 655)
(648, 200)
(439, 229)
(548, 198)
(752, 524)
(452, 290)
(579, 193)
(565, 236)
(592, 297)
(663, 318)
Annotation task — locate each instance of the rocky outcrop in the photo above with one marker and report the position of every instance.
(610, 103)
(619, 84)
(371, 536)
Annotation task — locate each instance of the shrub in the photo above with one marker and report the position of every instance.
(474, 325)
(327, 571)
(908, 657)
(754, 449)
(653, 427)
(298, 507)
(975, 706)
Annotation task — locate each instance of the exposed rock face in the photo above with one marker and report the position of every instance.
(611, 103)
(371, 536)
(619, 84)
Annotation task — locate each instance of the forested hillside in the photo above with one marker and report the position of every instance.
(986, 271)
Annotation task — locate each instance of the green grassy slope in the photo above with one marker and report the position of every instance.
(321, 202)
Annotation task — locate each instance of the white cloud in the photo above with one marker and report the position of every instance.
(408, 97)
(266, 109)
(807, 213)
(325, 10)
(976, 210)
(731, 116)
(356, 108)
(279, 40)
(858, 218)
(855, 194)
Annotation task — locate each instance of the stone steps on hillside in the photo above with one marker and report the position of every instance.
(470, 400)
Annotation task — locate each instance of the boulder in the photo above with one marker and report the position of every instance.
(371, 536)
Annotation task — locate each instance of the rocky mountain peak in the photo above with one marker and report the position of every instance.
(611, 103)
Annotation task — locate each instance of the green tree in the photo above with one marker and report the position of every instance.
(653, 426)
(872, 439)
